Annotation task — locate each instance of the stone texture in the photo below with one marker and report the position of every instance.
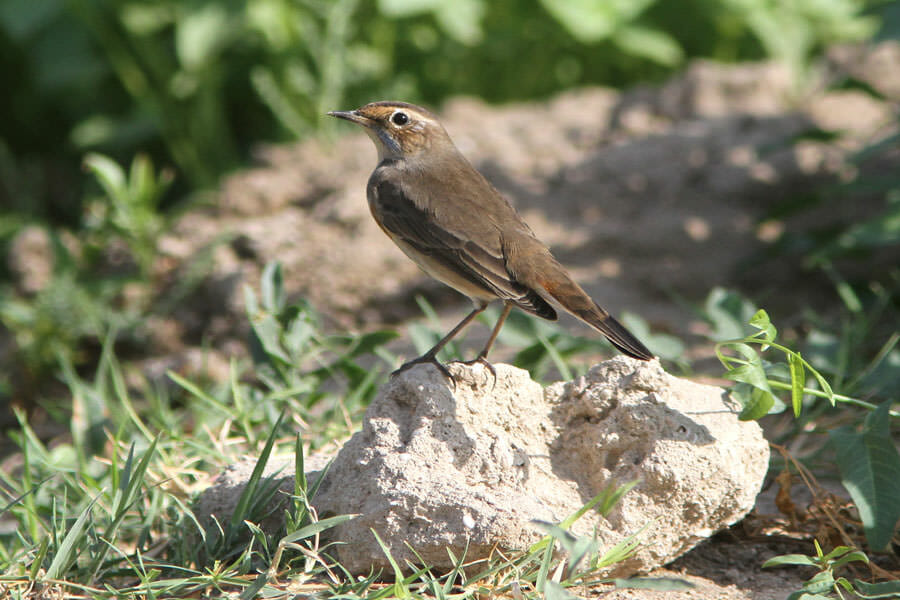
(437, 467)
(440, 468)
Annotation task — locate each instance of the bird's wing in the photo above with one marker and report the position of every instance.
(479, 261)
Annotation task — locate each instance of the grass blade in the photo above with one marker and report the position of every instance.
(70, 546)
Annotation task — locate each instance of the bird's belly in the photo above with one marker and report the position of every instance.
(434, 267)
(444, 274)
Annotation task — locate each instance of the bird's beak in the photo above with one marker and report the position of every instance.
(351, 115)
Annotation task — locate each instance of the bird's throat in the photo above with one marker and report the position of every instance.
(388, 147)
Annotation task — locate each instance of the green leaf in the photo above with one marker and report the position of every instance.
(727, 312)
(844, 583)
(200, 33)
(197, 392)
(755, 403)
(662, 345)
(406, 8)
(108, 172)
(369, 342)
(71, 546)
(461, 20)
(576, 547)
(590, 21)
(39, 557)
(400, 590)
(798, 380)
(820, 583)
(789, 559)
(750, 370)
(299, 335)
(652, 44)
(544, 570)
(272, 284)
(554, 591)
(856, 556)
(885, 589)
(300, 483)
(620, 551)
(759, 400)
(606, 499)
(317, 527)
(870, 470)
(761, 321)
(131, 480)
(268, 332)
(252, 591)
(838, 551)
(249, 495)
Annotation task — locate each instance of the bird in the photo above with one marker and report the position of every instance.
(446, 217)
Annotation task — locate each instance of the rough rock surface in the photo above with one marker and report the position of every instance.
(437, 467)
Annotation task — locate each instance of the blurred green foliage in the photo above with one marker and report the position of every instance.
(195, 83)
(97, 283)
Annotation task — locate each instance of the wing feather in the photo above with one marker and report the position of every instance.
(481, 262)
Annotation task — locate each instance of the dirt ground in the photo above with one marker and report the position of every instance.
(652, 197)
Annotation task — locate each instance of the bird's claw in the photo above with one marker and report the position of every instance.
(426, 359)
(484, 361)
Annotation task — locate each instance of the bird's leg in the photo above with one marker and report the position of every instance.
(431, 355)
(482, 356)
(507, 307)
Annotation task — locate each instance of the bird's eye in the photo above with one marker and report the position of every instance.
(399, 118)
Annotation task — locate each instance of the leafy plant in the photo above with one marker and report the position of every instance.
(81, 300)
(106, 506)
(130, 208)
(869, 464)
(741, 353)
(825, 584)
(291, 353)
(868, 460)
(197, 84)
(756, 396)
(791, 32)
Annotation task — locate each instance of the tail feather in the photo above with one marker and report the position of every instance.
(618, 336)
(575, 300)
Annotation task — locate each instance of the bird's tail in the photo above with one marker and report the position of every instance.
(574, 299)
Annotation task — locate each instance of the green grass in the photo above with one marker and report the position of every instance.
(104, 511)
(199, 84)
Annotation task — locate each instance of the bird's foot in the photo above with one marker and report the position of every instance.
(427, 358)
(484, 361)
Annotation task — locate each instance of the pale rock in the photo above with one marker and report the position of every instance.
(471, 467)
(437, 467)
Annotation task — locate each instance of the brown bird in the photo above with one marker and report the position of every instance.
(450, 221)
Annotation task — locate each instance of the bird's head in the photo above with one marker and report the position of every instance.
(399, 130)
